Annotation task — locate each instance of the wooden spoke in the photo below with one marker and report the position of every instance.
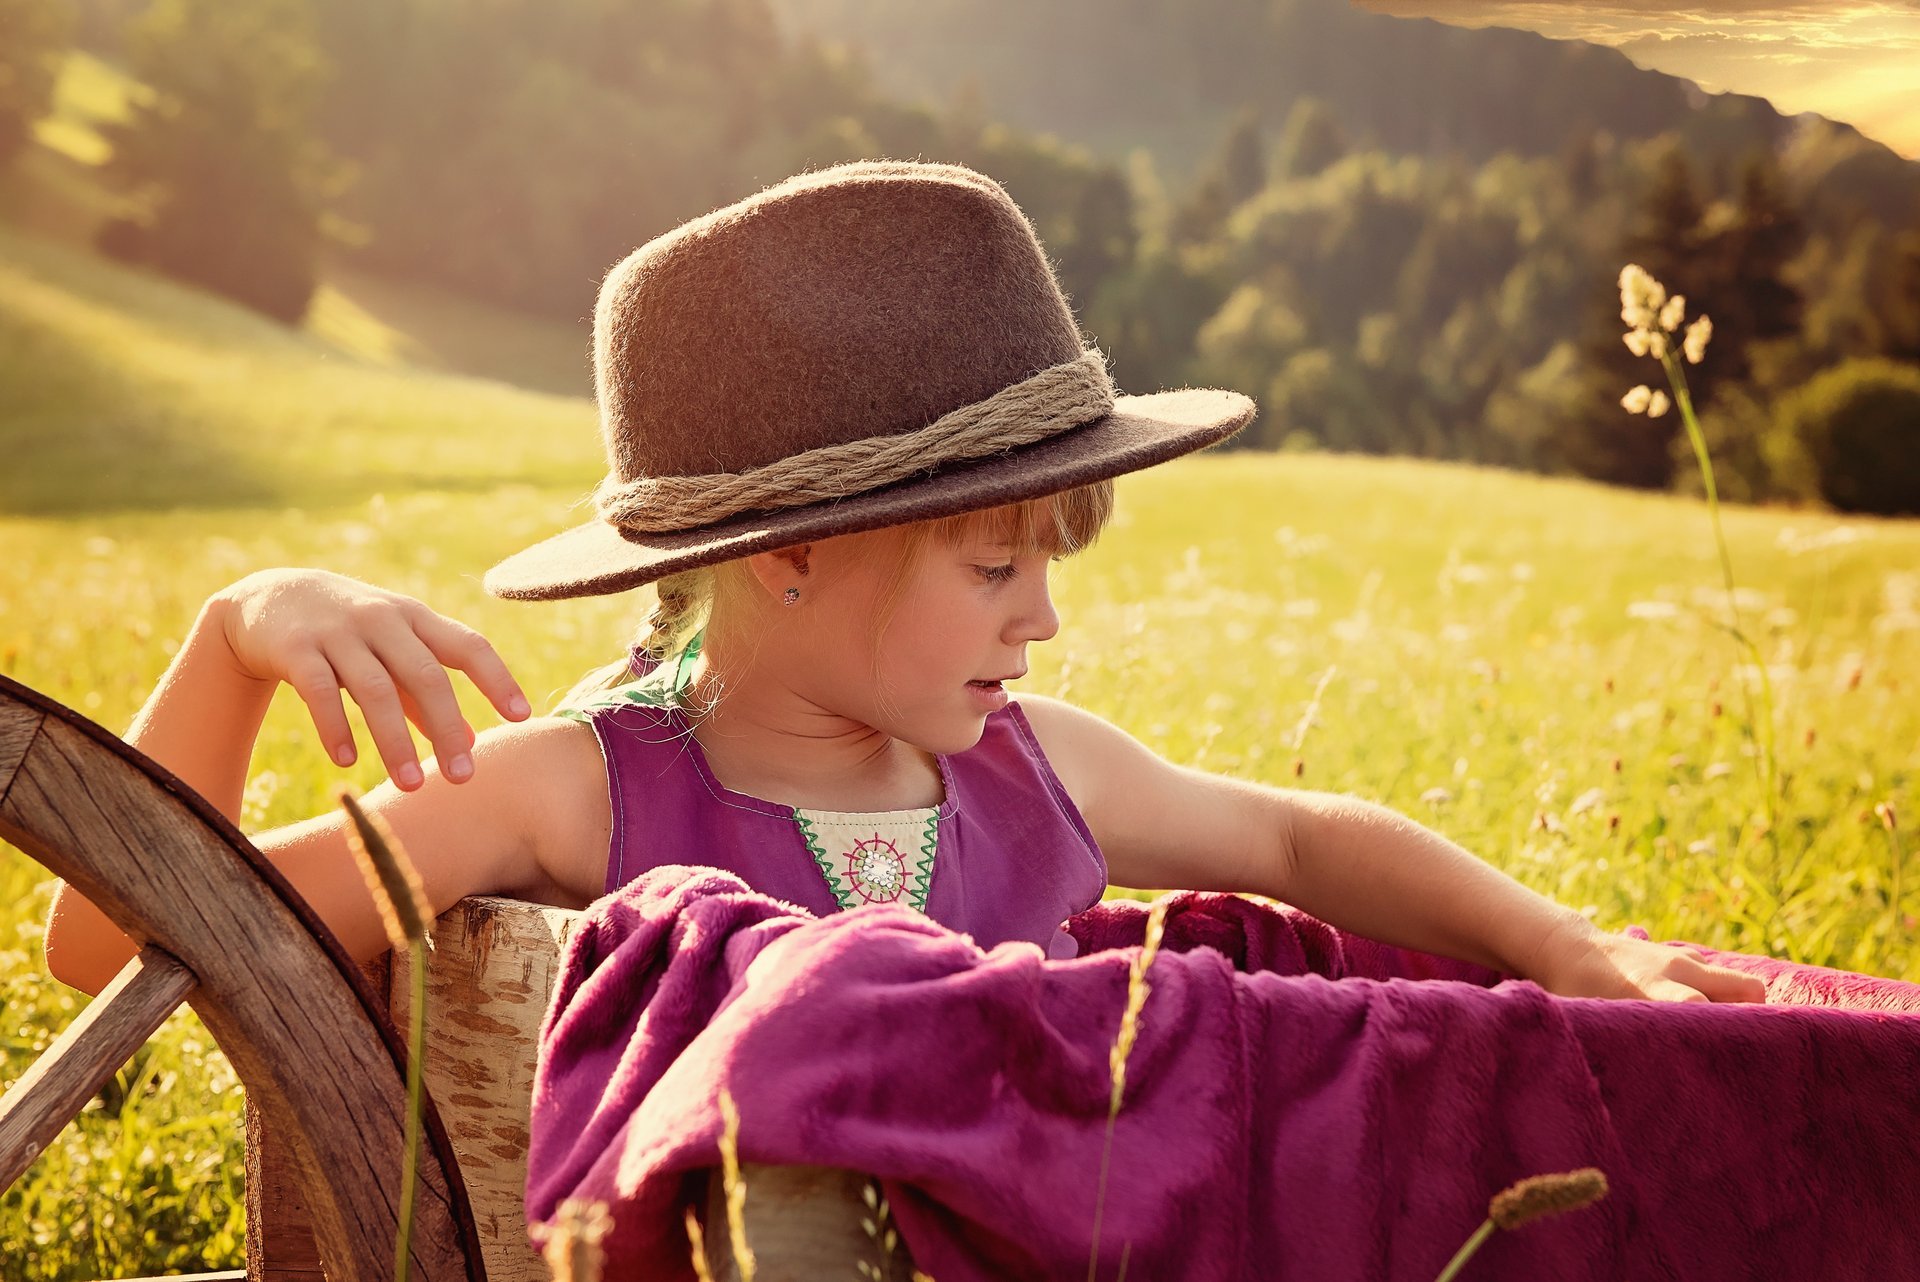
(58, 1085)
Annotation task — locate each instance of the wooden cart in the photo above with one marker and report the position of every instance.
(312, 1035)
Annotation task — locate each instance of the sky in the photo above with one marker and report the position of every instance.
(1851, 60)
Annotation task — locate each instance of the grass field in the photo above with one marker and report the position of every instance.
(1528, 665)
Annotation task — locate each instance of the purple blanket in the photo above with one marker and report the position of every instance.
(1301, 1102)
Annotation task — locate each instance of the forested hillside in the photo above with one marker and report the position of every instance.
(1398, 237)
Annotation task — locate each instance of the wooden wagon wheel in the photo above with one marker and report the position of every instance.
(220, 929)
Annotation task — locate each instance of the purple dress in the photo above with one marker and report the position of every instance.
(1005, 855)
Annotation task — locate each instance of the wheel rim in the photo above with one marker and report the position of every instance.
(290, 1009)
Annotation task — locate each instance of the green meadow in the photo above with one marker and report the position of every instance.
(1534, 667)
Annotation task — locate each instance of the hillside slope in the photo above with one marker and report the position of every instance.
(124, 390)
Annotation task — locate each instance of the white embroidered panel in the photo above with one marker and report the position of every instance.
(882, 857)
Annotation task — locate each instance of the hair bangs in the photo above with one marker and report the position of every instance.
(1057, 524)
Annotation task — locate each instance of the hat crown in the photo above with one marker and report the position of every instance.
(859, 301)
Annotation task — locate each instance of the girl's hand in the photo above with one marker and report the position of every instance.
(322, 632)
(1604, 965)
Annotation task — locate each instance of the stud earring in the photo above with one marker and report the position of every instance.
(792, 597)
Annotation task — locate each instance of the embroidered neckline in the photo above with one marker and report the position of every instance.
(872, 869)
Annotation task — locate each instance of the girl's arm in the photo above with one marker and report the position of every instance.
(202, 720)
(1355, 864)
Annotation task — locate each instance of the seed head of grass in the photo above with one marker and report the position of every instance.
(1542, 1195)
(391, 877)
(1137, 990)
(572, 1246)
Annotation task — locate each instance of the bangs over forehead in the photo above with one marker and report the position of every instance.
(1052, 525)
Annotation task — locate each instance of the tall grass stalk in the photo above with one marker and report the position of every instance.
(736, 1188)
(1767, 762)
(1653, 319)
(1137, 990)
(397, 891)
(1888, 820)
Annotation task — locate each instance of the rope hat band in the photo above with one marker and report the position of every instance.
(868, 345)
(1054, 400)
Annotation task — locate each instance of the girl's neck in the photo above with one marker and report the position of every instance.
(762, 739)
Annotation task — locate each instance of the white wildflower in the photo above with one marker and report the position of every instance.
(1673, 313)
(1657, 344)
(1696, 342)
(1636, 341)
(1641, 297)
(1591, 799)
(1636, 401)
(1658, 405)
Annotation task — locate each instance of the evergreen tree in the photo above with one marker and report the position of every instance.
(220, 156)
(1242, 159)
(1311, 140)
(34, 34)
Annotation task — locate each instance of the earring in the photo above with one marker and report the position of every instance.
(792, 597)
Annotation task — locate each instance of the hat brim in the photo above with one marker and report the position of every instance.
(598, 558)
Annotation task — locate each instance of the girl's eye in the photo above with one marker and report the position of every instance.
(997, 573)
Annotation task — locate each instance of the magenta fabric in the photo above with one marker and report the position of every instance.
(1014, 860)
(1301, 1102)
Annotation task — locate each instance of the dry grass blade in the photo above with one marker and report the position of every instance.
(735, 1186)
(1137, 990)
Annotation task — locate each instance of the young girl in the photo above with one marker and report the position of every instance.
(850, 423)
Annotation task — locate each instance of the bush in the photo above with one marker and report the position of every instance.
(1854, 433)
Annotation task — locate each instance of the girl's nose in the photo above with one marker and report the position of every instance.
(1040, 622)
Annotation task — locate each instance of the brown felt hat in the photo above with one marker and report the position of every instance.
(862, 346)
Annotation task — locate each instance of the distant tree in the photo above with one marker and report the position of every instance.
(1311, 140)
(34, 35)
(1242, 158)
(1854, 430)
(1098, 237)
(1903, 300)
(1738, 276)
(220, 155)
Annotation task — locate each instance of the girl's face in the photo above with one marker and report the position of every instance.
(960, 625)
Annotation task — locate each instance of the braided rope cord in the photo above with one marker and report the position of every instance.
(1044, 405)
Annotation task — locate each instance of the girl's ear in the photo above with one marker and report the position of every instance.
(776, 570)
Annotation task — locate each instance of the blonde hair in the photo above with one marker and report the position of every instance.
(1056, 525)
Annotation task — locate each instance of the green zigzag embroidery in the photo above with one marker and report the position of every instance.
(923, 875)
(841, 891)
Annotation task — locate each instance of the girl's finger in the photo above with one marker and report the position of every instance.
(1725, 984)
(458, 646)
(313, 679)
(427, 697)
(363, 676)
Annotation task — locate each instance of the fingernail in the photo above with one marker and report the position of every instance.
(410, 776)
(459, 766)
(518, 706)
(343, 754)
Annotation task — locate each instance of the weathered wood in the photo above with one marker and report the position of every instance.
(803, 1224)
(490, 976)
(280, 1243)
(91, 1049)
(275, 988)
(19, 722)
